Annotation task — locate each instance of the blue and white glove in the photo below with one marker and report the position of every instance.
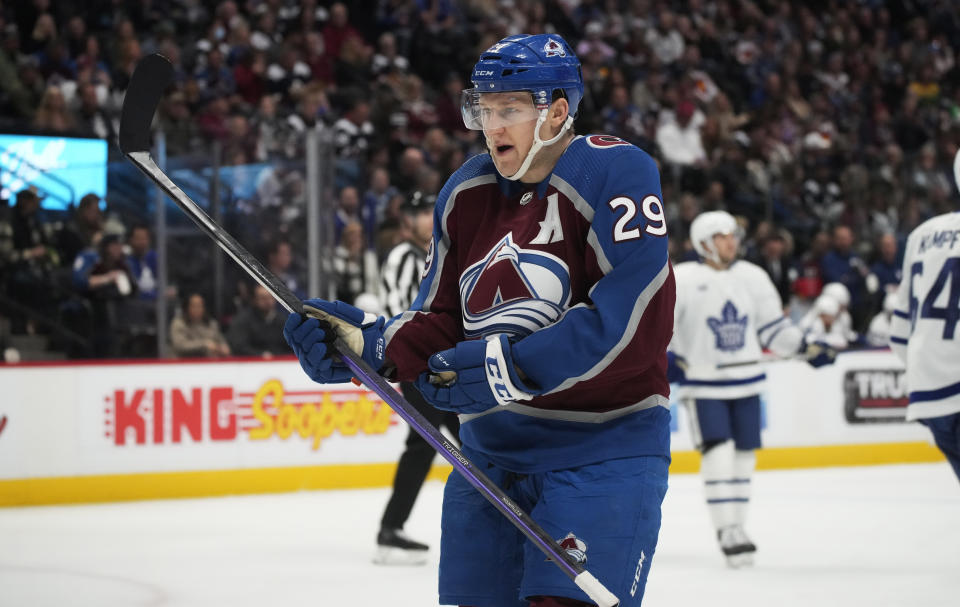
(818, 353)
(473, 376)
(311, 338)
(676, 368)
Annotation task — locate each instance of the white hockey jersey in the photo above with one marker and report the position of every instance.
(924, 331)
(728, 317)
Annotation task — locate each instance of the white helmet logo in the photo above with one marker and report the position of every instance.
(554, 49)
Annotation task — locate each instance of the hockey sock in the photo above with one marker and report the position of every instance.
(743, 464)
(719, 482)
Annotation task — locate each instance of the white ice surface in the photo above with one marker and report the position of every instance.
(845, 537)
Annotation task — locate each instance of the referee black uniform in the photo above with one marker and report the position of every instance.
(399, 284)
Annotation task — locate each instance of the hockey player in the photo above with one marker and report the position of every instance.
(824, 322)
(843, 328)
(924, 332)
(548, 297)
(399, 283)
(727, 313)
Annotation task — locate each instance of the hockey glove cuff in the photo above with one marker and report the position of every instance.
(311, 337)
(676, 368)
(474, 376)
(818, 353)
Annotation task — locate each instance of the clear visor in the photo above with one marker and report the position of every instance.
(488, 111)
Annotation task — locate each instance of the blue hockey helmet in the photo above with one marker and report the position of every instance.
(541, 64)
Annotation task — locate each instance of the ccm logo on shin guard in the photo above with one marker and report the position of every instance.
(636, 574)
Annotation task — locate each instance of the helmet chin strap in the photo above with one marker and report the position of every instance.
(537, 144)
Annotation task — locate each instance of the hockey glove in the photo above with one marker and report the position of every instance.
(676, 368)
(311, 338)
(473, 377)
(818, 353)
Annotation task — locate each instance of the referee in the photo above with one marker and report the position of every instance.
(399, 284)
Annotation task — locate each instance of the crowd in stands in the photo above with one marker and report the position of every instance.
(827, 127)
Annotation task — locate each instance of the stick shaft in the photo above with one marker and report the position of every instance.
(376, 383)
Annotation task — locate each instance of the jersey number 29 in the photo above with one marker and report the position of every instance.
(652, 209)
(950, 313)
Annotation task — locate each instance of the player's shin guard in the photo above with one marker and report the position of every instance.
(727, 494)
(718, 472)
(743, 464)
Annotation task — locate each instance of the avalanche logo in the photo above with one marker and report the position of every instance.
(428, 262)
(575, 547)
(730, 329)
(553, 49)
(513, 290)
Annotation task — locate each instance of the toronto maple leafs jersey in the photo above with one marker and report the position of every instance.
(724, 320)
(575, 270)
(923, 331)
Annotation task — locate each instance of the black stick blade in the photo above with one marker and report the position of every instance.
(150, 79)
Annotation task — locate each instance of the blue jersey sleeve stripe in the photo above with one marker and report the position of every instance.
(900, 314)
(771, 324)
(725, 382)
(767, 342)
(939, 394)
(898, 340)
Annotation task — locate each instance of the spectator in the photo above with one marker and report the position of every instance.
(775, 260)
(680, 140)
(886, 272)
(90, 117)
(421, 113)
(352, 137)
(249, 74)
(257, 330)
(664, 40)
(809, 282)
(376, 199)
(621, 118)
(52, 114)
(288, 74)
(194, 334)
(411, 164)
(338, 29)
(179, 126)
(354, 264)
(351, 69)
(103, 278)
(841, 264)
(83, 231)
(387, 57)
(31, 260)
(280, 263)
(348, 210)
(142, 261)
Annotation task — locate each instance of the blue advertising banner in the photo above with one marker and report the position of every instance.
(62, 169)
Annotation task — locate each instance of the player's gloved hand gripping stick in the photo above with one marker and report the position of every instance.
(150, 79)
